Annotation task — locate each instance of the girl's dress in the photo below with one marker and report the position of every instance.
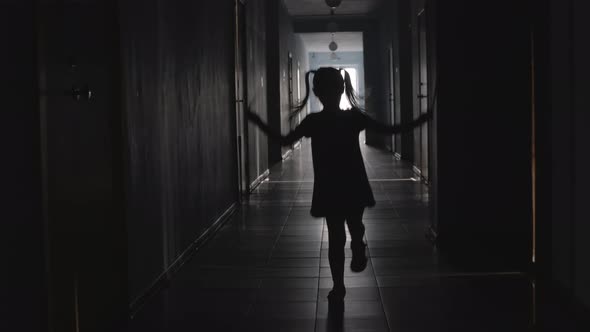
(341, 185)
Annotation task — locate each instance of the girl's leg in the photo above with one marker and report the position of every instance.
(356, 228)
(336, 242)
(357, 233)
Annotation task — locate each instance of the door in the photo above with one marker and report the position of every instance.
(83, 165)
(241, 93)
(299, 90)
(423, 95)
(391, 95)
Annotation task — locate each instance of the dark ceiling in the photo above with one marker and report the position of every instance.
(319, 7)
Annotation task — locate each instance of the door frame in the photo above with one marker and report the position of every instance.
(240, 90)
(423, 94)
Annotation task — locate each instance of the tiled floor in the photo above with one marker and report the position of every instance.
(267, 269)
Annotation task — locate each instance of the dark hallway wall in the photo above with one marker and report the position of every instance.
(24, 291)
(563, 161)
(281, 42)
(405, 42)
(274, 10)
(483, 124)
(178, 62)
(396, 32)
(376, 96)
(257, 83)
(387, 22)
(301, 57)
(375, 87)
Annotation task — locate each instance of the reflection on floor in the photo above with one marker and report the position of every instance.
(267, 269)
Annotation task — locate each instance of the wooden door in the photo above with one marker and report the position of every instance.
(83, 164)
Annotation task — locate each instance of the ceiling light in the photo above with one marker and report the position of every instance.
(333, 3)
(333, 46)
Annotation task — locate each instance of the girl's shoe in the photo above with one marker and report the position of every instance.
(337, 294)
(359, 259)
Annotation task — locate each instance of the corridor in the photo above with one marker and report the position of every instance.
(152, 183)
(267, 268)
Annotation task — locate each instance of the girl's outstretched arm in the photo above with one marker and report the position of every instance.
(398, 128)
(289, 139)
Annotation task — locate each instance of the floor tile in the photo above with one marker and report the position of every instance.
(267, 268)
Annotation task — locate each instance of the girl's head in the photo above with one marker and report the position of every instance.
(328, 86)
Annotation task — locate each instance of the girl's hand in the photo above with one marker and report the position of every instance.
(284, 140)
(253, 116)
(424, 117)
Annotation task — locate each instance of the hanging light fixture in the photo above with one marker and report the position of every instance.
(333, 46)
(333, 3)
(332, 27)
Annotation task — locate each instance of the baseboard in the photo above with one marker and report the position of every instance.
(417, 171)
(560, 305)
(431, 234)
(164, 279)
(377, 145)
(287, 154)
(259, 180)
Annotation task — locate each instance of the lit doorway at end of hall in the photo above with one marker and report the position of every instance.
(348, 55)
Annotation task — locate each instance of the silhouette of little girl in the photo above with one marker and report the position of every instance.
(341, 189)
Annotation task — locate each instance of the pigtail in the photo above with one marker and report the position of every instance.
(353, 98)
(295, 110)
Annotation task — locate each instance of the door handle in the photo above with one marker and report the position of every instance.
(76, 93)
(81, 93)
